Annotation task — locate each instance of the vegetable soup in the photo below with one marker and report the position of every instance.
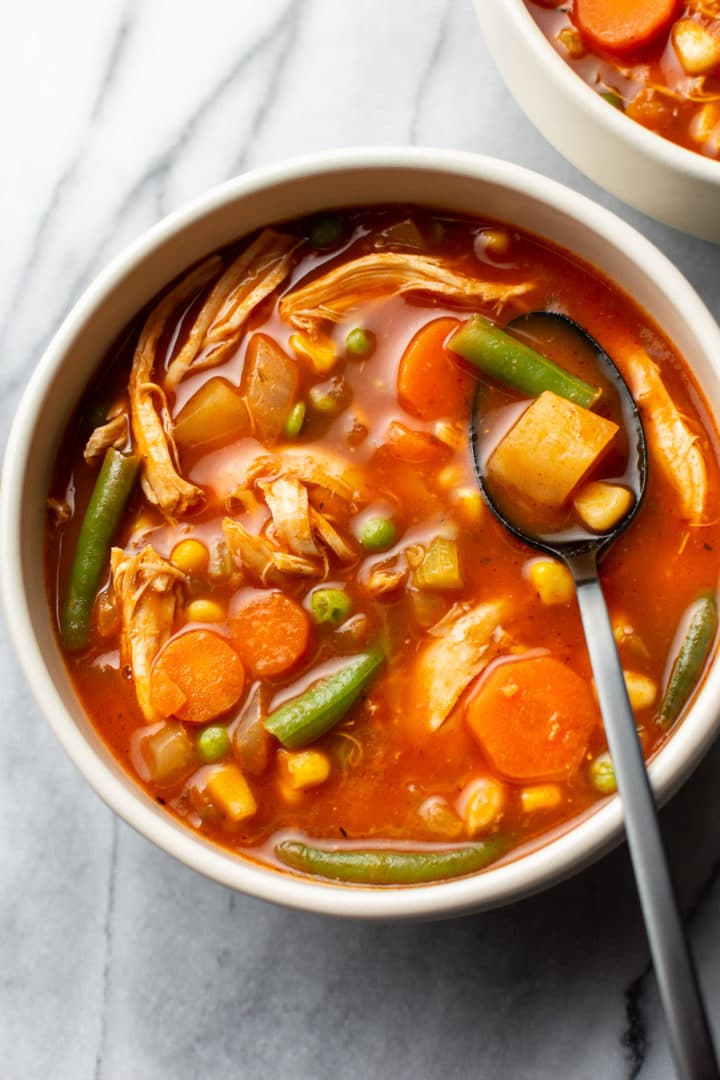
(280, 595)
(658, 61)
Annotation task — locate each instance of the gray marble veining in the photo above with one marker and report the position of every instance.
(115, 961)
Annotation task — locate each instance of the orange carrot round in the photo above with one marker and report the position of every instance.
(271, 634)
(197, 676)
(432, 382)
(624, 26)
(533, 718)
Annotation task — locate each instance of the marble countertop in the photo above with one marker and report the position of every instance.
(116, 961)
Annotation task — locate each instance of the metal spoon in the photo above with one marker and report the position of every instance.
(690, 1038)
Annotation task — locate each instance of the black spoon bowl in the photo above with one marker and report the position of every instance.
(580, 550)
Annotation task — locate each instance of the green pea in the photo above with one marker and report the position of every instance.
(613, 99)
(327, 232)
(330, 606)
(213, 743)
(602, 774)
(359, 342)
(295, 420)
(377, 534)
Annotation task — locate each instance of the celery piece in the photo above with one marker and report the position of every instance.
(440, 569)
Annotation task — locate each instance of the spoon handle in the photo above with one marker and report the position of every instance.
(690, 1038)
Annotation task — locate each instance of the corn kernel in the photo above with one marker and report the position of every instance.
(697, 48)
(440, 818)
(540, 797)
(204, 610)
(321, 354)
(627, 637)
(481, 804)
(496, 242)
(452, 435)
(230, 791)
(570, 39)
(303, 768)
(601, 505)
(551, 580)
(450, 476)
(469, 504)
(642, 690)
(191, 556)
(704, 121)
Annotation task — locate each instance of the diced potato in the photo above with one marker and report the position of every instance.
(440, 569)
(203, 609)
(322, 355)
(169, 753)
(601, 505)
(481, 804)
(191, 556)
(303, 769)
(230, 791)
(550, 449)
(270, 383)
(697, 47)
(641, 689)
(440, 818)
(540, 797)
(552, 581)
(214, 413)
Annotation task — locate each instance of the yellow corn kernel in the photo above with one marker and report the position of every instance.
(450, 476)
(191, 556)
(551, 580)
(204, 610)
(601, 505)
(495, 242)
(453, 435)
(642, 690)
(321, 354)
(230, 791)
(469, 504)
(303, 768)
(540, 797)
(697, 48)
(481, 804)
(704, 121)
(570, 39)
(439, 818)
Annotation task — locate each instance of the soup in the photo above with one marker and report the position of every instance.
(280, 595)
(658, 61)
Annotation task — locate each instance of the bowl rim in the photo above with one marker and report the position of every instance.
(630, 132)
(541, 867)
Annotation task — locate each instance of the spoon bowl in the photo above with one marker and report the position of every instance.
(579, 549)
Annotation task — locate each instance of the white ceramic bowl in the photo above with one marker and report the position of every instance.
(664, 180)
(453, 181)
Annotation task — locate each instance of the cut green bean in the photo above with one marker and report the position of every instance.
(506, 359)
(330, 606)
(102, 517)
(295, 420)
(702, 621)
(383, 867)
(305, 718)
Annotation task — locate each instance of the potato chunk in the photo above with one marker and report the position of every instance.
(214, 413)
(550, 449)
(601, 506)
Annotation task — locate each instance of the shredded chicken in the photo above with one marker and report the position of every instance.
(330, 537)
(386, 580)
(161, 480)
(332, 474)
(464, 643)
(331, 297)
(148, 589)
(288, 502)
(114, 432)
(672, 445)
(249, 279)
(259, 557)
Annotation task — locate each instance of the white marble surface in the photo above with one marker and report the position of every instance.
(115, 961)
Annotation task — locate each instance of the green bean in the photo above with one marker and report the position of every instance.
(702, 621)
(330, 606)
(505, 358)
(305, 718)
(102, 517)
(383, 867)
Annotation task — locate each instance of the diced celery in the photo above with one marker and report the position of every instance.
(440, 569)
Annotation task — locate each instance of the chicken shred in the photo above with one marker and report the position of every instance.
(247, 281)
(331, 297)
(288, 502)
(670, 442)
(330, 537)
(147, 587)
(462, 647)
(161, 480)
(258, 556)
(114, 432)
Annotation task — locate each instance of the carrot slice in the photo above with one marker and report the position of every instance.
(271, 634)
(623, 26)
(202, 668)
(432, 382)
(533, 718)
